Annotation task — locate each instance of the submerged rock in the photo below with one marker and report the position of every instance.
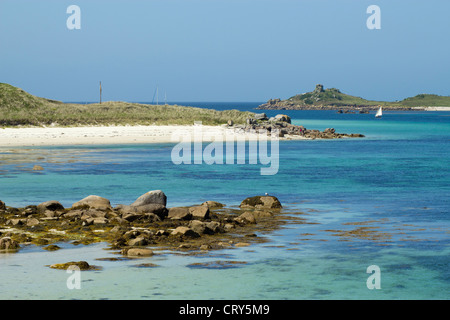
(51, 247)
(137, 252)
(216, 264)
(241, 244)
(82, 265)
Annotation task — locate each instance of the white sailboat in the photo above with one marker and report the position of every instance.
(379, 113)
(155, 94)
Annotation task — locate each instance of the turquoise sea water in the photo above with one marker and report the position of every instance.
(380, 200)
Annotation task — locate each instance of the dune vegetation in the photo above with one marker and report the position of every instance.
(18, 107)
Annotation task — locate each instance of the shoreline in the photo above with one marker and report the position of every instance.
(105, 135)
(280, 106)
(152, 134)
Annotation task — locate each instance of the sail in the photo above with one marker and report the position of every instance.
(379, 113)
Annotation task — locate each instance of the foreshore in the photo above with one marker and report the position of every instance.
(95, 135)
(140, 134)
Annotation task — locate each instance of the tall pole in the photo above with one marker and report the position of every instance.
(100, 92)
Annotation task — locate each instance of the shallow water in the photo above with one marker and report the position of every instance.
(381, 200)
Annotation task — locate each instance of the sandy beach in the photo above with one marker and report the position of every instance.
(94, 135)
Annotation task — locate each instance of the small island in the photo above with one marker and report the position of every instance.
(334, 99)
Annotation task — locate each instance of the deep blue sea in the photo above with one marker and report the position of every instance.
(381, 200)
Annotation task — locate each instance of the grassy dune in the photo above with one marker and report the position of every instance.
(18, 107)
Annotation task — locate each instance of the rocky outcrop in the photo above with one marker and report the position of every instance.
(260, 116)
(273, 102)
(185, 232)
(199, 212)
(261, 202)
(280, 126)
(246, 217)
(157, 209)
(52, 205)
(318, 89)
(179, 213)
(281, 117)
(6, 243)
(213, 204)
(201, 227)
(151, 197)
(135, 229)
(93, 202)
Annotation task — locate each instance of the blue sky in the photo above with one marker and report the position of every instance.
(224, 50)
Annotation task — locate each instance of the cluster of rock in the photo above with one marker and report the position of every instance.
(281, 126)
(359, 110)
(278, 104)
(133, 228)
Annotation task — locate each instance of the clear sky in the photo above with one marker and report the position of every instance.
(224, 50)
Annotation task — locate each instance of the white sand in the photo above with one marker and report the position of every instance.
(54, 136)
(437, 108)
(432, 108)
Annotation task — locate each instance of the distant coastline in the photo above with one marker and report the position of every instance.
(334, 99)
(28, 120)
